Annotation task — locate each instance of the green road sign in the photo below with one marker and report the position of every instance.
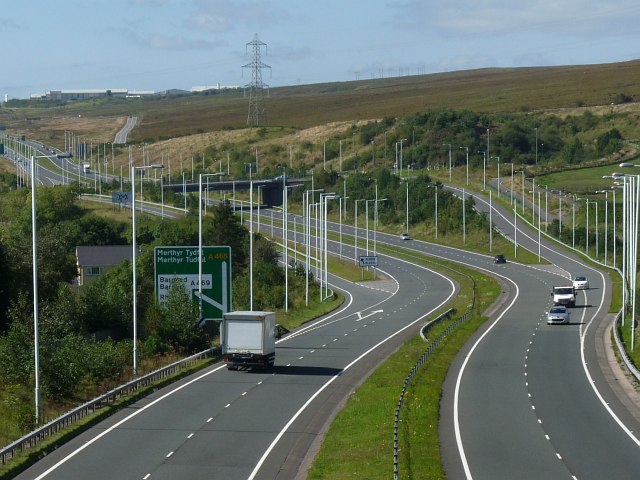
(179, 265)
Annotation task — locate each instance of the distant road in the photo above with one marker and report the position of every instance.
(121, 136)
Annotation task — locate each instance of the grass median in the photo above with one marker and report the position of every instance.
(359, 443)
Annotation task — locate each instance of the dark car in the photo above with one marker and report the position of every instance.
(500, 258)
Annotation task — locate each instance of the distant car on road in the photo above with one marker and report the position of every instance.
(405, 236)
(500, 258)
(581, 283)
(558, 314)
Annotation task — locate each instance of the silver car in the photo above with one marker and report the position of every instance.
(581, 283)
(558, 314)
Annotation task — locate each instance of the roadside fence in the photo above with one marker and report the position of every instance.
(46, 431)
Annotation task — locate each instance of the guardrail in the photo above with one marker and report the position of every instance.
(46, 431)
(621, 350)
(414, 370)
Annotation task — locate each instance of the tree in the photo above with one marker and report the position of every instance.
(179, 326)
(226, 229)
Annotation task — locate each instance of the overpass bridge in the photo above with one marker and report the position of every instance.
(271, 188)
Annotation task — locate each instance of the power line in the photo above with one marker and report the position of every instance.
(256, 87)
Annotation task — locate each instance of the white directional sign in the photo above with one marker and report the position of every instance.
(179, 265)
(368, 260)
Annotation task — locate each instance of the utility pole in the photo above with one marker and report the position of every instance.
(256, 87)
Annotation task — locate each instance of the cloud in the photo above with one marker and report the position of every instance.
(225, 15)
(157, 41)
(493, 17)
(7, 24)
(150, 3)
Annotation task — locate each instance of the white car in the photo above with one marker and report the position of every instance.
(581, 283)
(558, 314)
(405, 236)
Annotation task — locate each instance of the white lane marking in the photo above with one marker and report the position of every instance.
(169, 454)
(624, 428)
(126, 419)
(456, 396)
(332, 379)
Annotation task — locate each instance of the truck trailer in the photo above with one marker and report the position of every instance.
(248, 339)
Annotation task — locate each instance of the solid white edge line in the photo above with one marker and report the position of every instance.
(126, 419)
(456, 397)
(332, 379)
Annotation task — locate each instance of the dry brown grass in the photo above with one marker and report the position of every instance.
(320, 111)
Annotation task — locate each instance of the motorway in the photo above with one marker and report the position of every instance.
(239, 425)
(522, 400)
(529, 400)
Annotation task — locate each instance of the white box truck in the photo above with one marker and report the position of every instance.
(248, 339)
(564, 296)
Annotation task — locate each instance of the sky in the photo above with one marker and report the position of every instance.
(155, 45)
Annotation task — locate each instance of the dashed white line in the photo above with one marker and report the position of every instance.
(190, 435)
(227, 405)
(169, 454)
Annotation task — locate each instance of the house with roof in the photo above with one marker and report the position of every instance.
(93, 261)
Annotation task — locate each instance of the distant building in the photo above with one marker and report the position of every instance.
(93, 261)
(84, 94)
(204, 88)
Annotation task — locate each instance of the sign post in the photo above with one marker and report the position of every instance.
(179, 266)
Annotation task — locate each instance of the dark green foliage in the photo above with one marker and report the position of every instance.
(176, 327)
(573, 152)
(106, 303)
(609, 142)
(225, 229)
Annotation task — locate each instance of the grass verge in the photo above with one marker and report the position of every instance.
(359, 443)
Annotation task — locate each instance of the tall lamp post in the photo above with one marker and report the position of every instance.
(467, 149)
(200, 233)
(498, 184)
(355, 245)
(134, 261)
(449, 145)
(401, 141)
(34, 260)
(484, 169)
(307, 224)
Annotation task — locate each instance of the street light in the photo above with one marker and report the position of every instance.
(307, 212)
(606, 223)
(467, 149)
(200, 234)
(34, 259)
(484, 169)
(324, 199)
(134, 260)
(498, 185)
(355, 245)
(435, 186)
(401, 141)
(449, 158)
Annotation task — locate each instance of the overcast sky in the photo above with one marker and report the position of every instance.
(162, 44)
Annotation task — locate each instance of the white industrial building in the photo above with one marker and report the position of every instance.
(84, 94)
